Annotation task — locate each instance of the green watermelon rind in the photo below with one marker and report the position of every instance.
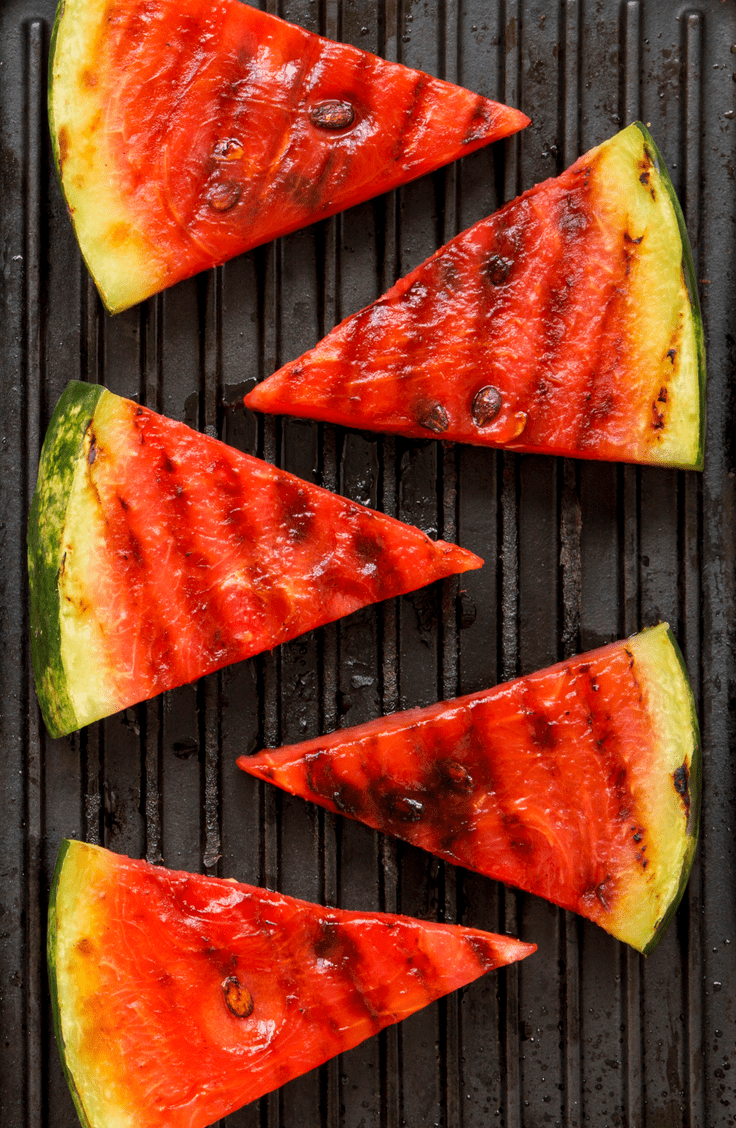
(681, 729)
(691, 283)
(61, 451)
(51, 942)
(692, 829)
(52, 128)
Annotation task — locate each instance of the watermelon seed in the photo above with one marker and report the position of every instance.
(434, 417)
(228, 149)
(223, 195)
(497, 269)
(332, 114)
(486, 405)
(238, 998)
(410, 810)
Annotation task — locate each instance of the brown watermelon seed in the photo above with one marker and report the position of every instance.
(458, 776)
(434, 417)
(332, 114)
(486, 405)
(238, 998)
(497, 269)
(662, 397)
(406, 809)
(223, 195)
(228, 149)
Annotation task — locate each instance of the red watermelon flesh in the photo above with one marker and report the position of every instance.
(178, 998)
(578, 783)
(566, 323)
(159, 554)
(187, 131)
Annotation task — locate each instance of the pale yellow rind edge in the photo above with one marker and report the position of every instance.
(91, 684)
(658, 303)
(80, 913)
(123, 262)
(647, 894)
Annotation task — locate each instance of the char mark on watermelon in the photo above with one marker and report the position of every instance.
(157, 555)
(178, 998)
(579, 783)
(188, 131)
(567, 323)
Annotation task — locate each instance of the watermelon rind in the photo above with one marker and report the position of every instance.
(99, 220)
(59, 458)
(676, 733)
(684, 436)
(51, 953)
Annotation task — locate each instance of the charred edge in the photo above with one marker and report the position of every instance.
(681, 780)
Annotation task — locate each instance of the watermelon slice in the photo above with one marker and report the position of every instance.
(187, 131)
(178, 998)
(567, 323)
(157, 554)
(580, 783)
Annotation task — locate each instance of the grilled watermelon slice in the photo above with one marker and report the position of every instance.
(178, 998)
(157, 554)
(187, 131)
(567, 323)
(580, 783)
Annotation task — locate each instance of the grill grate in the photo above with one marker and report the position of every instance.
(576, 554)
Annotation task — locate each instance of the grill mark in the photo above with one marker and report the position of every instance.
(297, 514)
(480, 120)
(572, 220)
(606, 744)
(480, 949)
(334, 945)
(507, 242)
(205, 604)
(602, 380)
(352, 346)
(411, 117)
(124, 557)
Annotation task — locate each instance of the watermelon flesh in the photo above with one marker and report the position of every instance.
(187, 131)
(579, 783)
(567, 323)
(178, 998)
(158, 554)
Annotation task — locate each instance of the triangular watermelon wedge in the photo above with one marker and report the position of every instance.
(158, 554)
(567, 323)
(178, 998)
(187, 131)
(580, 783)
